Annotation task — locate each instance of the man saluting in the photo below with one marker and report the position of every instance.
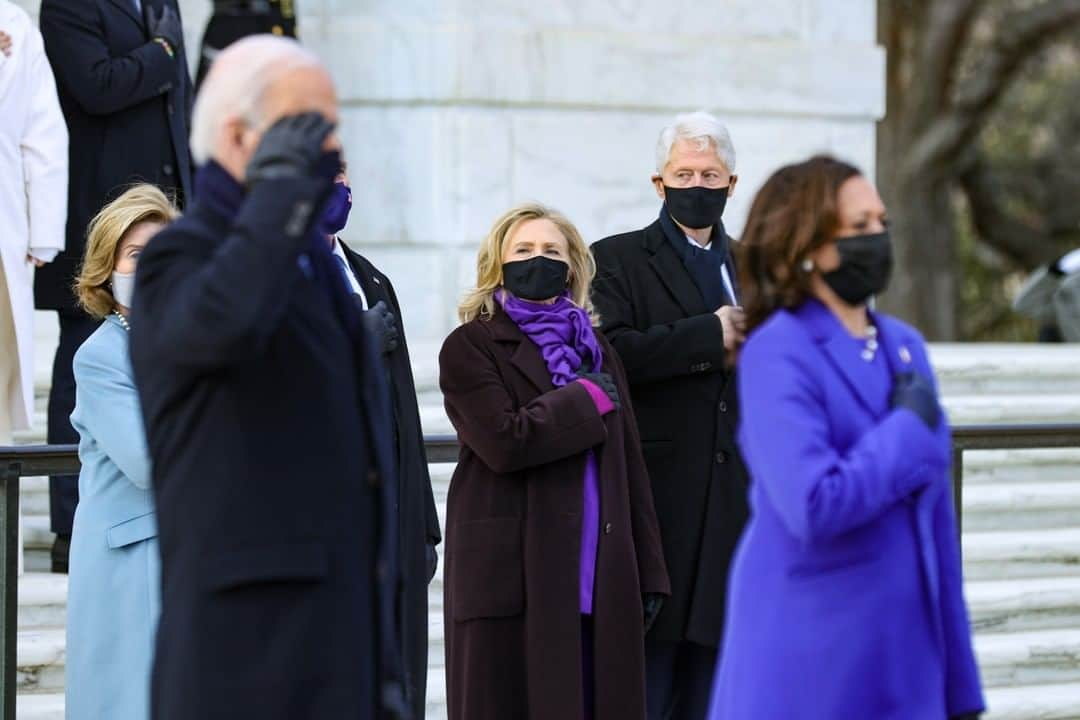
(265, 412)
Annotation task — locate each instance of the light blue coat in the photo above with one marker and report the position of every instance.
(114, 594)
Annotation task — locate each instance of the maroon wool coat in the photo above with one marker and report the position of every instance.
(513, 535)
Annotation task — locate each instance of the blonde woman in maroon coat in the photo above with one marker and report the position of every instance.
(554, 566)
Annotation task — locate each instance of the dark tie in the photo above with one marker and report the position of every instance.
(346, 273)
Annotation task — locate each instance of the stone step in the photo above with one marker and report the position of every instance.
(40, 706)
(1060, 701)
(1021, 553)
(1051, 407)
(1005, 369)
(1021, 466)
(1023, 604)
(1037, 657)
(1033, 506)
(36, 532)
(42, 600)
(40, 659)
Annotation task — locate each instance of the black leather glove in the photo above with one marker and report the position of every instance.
(432, 561)
(606, 383)
(165, 25)
(914, 392)
(381, 324)
(651, 603)
(292, 148)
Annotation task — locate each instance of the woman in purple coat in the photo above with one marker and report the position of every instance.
(847, 595)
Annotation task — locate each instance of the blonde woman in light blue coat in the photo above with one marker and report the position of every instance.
(114, 593)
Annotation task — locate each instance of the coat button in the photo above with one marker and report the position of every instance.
(721, 457)
(373, 478)
(167, 168)
(608, 528)
(723, 406)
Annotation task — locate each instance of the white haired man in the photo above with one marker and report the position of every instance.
(267, 420)
(668, 302)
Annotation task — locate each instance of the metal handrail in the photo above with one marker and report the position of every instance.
(36, 460)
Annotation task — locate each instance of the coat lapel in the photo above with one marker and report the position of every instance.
(525, 356)
(128, 6)
(839, 347)
(671, 271)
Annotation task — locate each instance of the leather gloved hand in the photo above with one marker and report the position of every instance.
(165, 25)
(914, 392)
(606, 383)
(292, 148)
(432, 561)
(381, 324)
(651, 603)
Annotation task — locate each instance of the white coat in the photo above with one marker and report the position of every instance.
(33, 184)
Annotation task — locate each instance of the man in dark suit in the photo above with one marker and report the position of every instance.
(126, 96)
(418, 521)
(267, 421)
(668, 303)
(236, 19)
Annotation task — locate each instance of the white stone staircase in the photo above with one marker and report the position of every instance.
(1021, 544)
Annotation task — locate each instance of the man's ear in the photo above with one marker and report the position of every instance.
(731, 185)
(658, 185)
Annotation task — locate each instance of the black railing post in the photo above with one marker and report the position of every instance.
(9, 592)
(958, 483)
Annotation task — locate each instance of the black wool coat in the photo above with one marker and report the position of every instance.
(672, 347)
(128, 109)
(269, 448)
(418, 520)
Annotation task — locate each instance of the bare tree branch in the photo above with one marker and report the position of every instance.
(1019, 35)
(1023, 242)
(945, 33)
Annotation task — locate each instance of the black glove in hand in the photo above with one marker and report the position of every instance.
(165, 25)
(292, 148)
(651, 603)
(381, 324)
(914, 392)
(606, 383)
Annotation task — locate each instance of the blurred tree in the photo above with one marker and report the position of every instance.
(961, 136)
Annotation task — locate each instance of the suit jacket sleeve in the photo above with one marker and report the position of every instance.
(1067, 307)
(652, 569)
(555, 425)
(683, 347)
(220, 312)
(45, 153)
(818, 490)
(434, 534)
(100, 83)
(107, 407)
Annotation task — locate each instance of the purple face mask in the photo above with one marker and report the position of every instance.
(337, 210)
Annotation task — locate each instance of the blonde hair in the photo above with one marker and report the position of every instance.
(138, 204)
(480, 300)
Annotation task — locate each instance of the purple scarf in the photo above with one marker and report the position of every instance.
(562, 331)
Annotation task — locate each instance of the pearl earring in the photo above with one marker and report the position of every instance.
(808, 265)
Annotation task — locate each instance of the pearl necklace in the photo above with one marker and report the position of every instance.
(123, 320)
(871, 348)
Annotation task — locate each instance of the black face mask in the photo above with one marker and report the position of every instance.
(865, 266)
(538, 278)
(696, 207)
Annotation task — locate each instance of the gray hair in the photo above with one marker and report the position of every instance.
(236, 83)
(700, 128)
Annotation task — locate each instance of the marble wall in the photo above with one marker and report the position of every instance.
(456, 109)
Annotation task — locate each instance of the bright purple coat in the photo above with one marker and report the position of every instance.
(847, 595)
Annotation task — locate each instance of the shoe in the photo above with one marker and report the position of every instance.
(60, 549)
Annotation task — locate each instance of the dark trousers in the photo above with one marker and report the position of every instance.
(678, 680)
(75, 328)
(588, 667)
